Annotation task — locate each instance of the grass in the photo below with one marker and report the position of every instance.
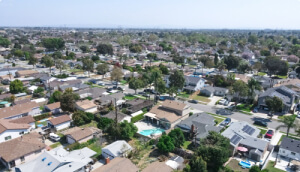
(244, 107)
(261, 73)
(44, 123)
(184, 95)
(263, 131)
(96, 147)
(91, 124)
(282, 76)
(138, 117)
(186, 144)
(218, 120)
(281, 117)
(123, 82)
(234, 165)
(200, 98)
(130, 97)
(55, 145)
(270, 167)
(215, 115)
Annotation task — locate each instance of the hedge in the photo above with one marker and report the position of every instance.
(44, 115)
(137, 118)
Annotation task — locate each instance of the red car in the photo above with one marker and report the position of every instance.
(269, 134)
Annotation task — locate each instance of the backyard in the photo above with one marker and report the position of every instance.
(234, 165)
(270, 167)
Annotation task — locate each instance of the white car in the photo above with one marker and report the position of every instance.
(222, 101)
(54, 137)
(298, 115)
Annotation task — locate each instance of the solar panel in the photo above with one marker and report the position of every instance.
(249, 130)
(235, 139)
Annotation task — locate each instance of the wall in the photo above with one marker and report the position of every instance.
(63, 125)
(70, 140)
(288, 153)
(28, 157)
(35, 111)
(12, 133)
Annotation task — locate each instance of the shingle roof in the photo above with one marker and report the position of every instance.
(290, 144)
(158, 166)
(17, 109)
(174, 105)
(118, 164)
(24, 120)
(163, 113)
(6, 124)
(60, 119)
(79, 133)
(86, 104)
(18, 147)
(53, 106)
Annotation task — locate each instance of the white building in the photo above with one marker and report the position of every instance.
(118, 148)
(290, 148)
(60, 122)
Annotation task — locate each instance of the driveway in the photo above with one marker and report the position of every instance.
(213, 100)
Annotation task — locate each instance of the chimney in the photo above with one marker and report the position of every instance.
(107, 160)
(192, 128)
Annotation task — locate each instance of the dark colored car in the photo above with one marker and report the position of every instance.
(227, 121)
(193, 101)
(269, 134)
(147, 90)
(261, 123)
(162, 98)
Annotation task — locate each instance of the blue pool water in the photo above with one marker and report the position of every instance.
(245, 164)
(155, 131)
(40, 125)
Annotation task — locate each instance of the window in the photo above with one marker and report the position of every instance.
(7, 137)
(21, 133)
(22, 159)
(293, 153)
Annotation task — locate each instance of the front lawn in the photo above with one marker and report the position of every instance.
(270, 167)
(55, 145)
(218, 120)
(186, 144)
(261, 74)
(123, 82)
(282, 76)
(183, 94)
(263, 131)
(200, 98)
(130, 97)
(244, 107)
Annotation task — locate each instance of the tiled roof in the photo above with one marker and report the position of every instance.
(60, 119)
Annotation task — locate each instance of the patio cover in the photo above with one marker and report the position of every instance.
(151, 115)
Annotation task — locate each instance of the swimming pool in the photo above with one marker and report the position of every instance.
(155, 131)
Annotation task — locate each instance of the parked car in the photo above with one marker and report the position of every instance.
(298, 115)
(261, 123)
(266, 109)
(101, 84)
(269, 134)
(255, 110)
(193, 101)
(162, 98)
(54, 137)
(227, 121)
(222, 101)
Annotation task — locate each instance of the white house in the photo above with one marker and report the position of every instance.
(60, 122)
(289, 148)
(54, 108)
(118, 148)
(191, 84)
(10, 129)
(21, 110)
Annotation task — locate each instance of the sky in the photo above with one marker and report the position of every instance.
(159, 14)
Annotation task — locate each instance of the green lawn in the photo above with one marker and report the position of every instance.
(44, 123)
(184, 95)
(123, 82)
(281, 117)
(263, 131)
(244, 107)
(270, 167)
(96, 147)
(130, 97)
(55, 145)
(282, 76)
(215, 115)
(261, 73)
(200, 98)
(186, 144)
(91, 124)
(218, 120)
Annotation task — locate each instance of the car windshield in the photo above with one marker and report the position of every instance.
(270, 132)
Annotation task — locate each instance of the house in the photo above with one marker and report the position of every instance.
(10, 129)
(21, 101)
(214, 91)
(5, 96)
(59, 159)
(106, 100)
(56, 84)
(138, 104)
(75, 87)
(26, 73)
(242, 134)
(81, 135)
(91, 92)
(120, 117)
(118, 164)
(292, 74)
(290, 148)
(118, 148)
(168, 114)
(86, 106)
(22, 149)
(60, 122)
(289, 98)
(201, 123)
(193, 83)
(54, 108)
(20, 110)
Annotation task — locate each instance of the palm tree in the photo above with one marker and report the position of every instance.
(253, 85)
(288, 122)
(221, 66)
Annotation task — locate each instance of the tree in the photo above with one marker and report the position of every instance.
(80, 118)
(274, 104)
(39, 92)
(216, 59)
(135, 83)
(288, 122)
(48, 61)
(18, 53)
(16, 86)
(55, 97)
(243, 68)
(116, 74)
(53, 43)
(102, 69)
(220, 81)
(57, 55)
(177, 137)
(152, 56)
(60, 65)
(254, 168)
(4, 42)
(127, 130)
(95, 58)
(135, 48)
(231, 62)
(196, 164)
(253, 85)
(104, 123)
(177, 79)
(32, 61)
(67, 100)
(298, 70)
(252, 39)
(165, 144)
(276, 66)
(230, 78)
(161, 86)
(88, 65)
(178, 59)
(105, 49)
(84, 48)
(221, 66)
(153, 38)
(240, 88)
(265, 52)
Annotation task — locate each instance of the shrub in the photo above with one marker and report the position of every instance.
(191, 113)
(137, 118)
(42, 116)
